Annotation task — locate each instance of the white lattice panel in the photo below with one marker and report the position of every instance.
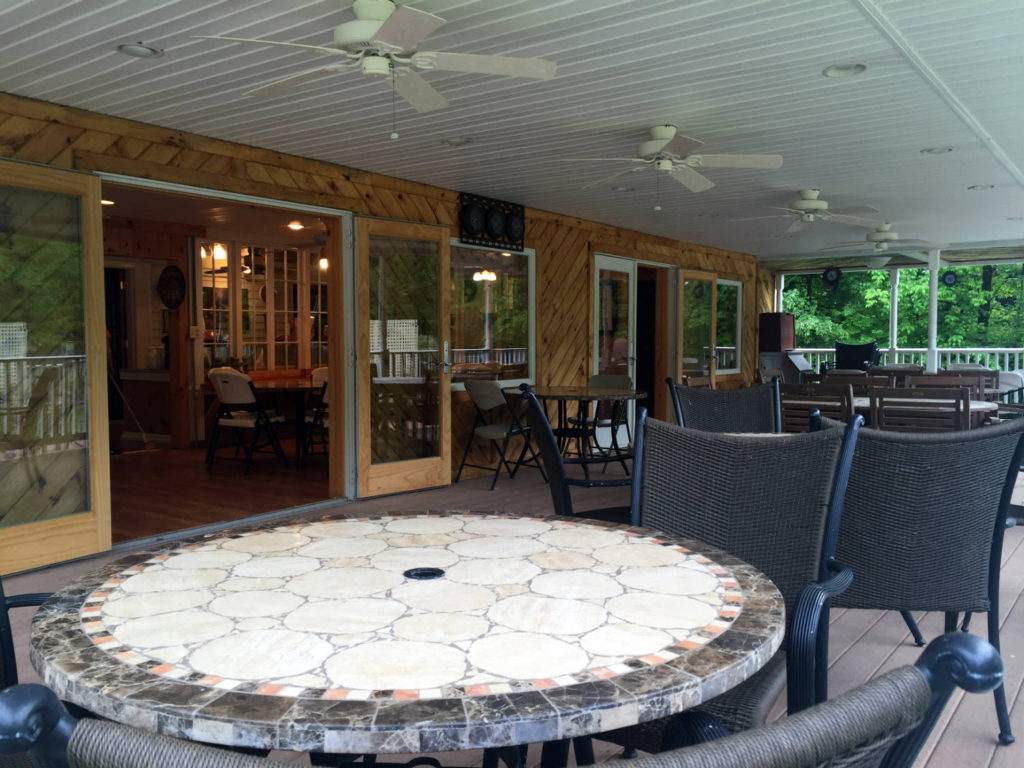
(403, 336)
(14, 339)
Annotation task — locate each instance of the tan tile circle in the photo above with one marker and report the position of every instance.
(526, 656)
(548, 615)
(136, 606)
(579, 537)
(561, 561)
(398, 664)
(341, 528)
(357, 614)
(344, 582)
(662, 611)
(173, 581)
(490, 572)
(497, 546)
(639, 555)
(341, 547)
(670, 581)
(272, 567)
(624, 640)
(266, 542)
(443, 595)
(261, 654)
(218, 558)
(178, 628)
(424, 525)
(576, 585)
(240, 605)
(507, 527)
(441, 627)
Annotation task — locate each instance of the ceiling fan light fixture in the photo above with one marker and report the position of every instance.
(844, 70)
(379, 66)
(140, 50)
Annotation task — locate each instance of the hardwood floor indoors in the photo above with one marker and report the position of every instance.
(863, 643)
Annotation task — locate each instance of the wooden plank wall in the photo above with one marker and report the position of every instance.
(70, 138)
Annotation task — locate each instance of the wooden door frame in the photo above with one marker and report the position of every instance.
(412, 474)
(49, 541)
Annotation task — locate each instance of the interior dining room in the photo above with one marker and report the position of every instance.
(251, 294)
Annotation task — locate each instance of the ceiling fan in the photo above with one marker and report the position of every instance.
(883, 237)
(809, 207)
(672, 154)
(382, 40)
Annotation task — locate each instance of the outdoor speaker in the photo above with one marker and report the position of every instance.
(492, 223)
(776, 332)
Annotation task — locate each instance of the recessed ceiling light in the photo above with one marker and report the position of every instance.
(506, 253)
(140, 50)
(936, 150)
(457, 141)
(844, 70)
(623, 189)
(981, 187)
(295, 226)
(106, 202)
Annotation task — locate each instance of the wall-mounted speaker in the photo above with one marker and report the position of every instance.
(488, 222)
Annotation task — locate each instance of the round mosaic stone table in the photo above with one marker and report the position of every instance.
(316, 635)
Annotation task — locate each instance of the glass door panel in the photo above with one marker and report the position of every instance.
(54, 481)
(697, 297)
(405, 438)
(727, 326)
(615, 330)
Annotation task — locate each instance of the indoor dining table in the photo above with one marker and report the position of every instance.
(299, 389)
(407, 632)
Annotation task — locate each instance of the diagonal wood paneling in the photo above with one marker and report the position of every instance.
(564, 245)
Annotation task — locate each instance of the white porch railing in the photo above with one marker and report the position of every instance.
(1001, 358)
(416, 363)
(42, 399)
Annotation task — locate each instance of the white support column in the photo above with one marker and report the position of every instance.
(780, 285)
(894, 285)
(933, 311)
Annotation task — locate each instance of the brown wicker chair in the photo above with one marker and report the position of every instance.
(834, 401)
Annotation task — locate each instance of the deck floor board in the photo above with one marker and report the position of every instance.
(862, 644)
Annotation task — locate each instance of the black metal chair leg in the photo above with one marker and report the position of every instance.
(554, 754)
(951, 618)
(965, 625)
(912, 626)
(1002, 715)
(211, 449)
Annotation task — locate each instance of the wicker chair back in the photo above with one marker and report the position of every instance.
(751, 409)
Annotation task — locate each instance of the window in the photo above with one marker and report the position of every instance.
(492, 314)
(263, 307)
(728, 327)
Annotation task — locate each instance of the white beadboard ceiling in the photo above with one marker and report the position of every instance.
(744, 76)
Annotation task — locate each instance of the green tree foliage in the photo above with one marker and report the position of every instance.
(984, 309)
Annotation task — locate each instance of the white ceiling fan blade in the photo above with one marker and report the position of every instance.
(759, 218)
(854, 210)
(839, 246)
(738, 161)
(317, 48)
(856, 221)
(690, 179)
(680, 145)
(404, 28)
(510, 66)
(613, 177)
(601, 160)
(289, 82)
(919, 243)
(798, 226)
(414, 89)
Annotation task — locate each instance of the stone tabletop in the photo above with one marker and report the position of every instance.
(317, 635)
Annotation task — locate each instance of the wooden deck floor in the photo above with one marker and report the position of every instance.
(862, 643)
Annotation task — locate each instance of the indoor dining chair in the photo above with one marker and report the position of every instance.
(498, 425)
(318, 418)
(750, 409)
(240, 409)
(554, 463)
(882, 723)
(773, 501)
(942, 501)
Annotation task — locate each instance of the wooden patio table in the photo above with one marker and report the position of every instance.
(407, 632)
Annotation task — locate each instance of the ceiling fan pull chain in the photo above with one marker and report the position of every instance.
(657, 192)
(394, 97)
